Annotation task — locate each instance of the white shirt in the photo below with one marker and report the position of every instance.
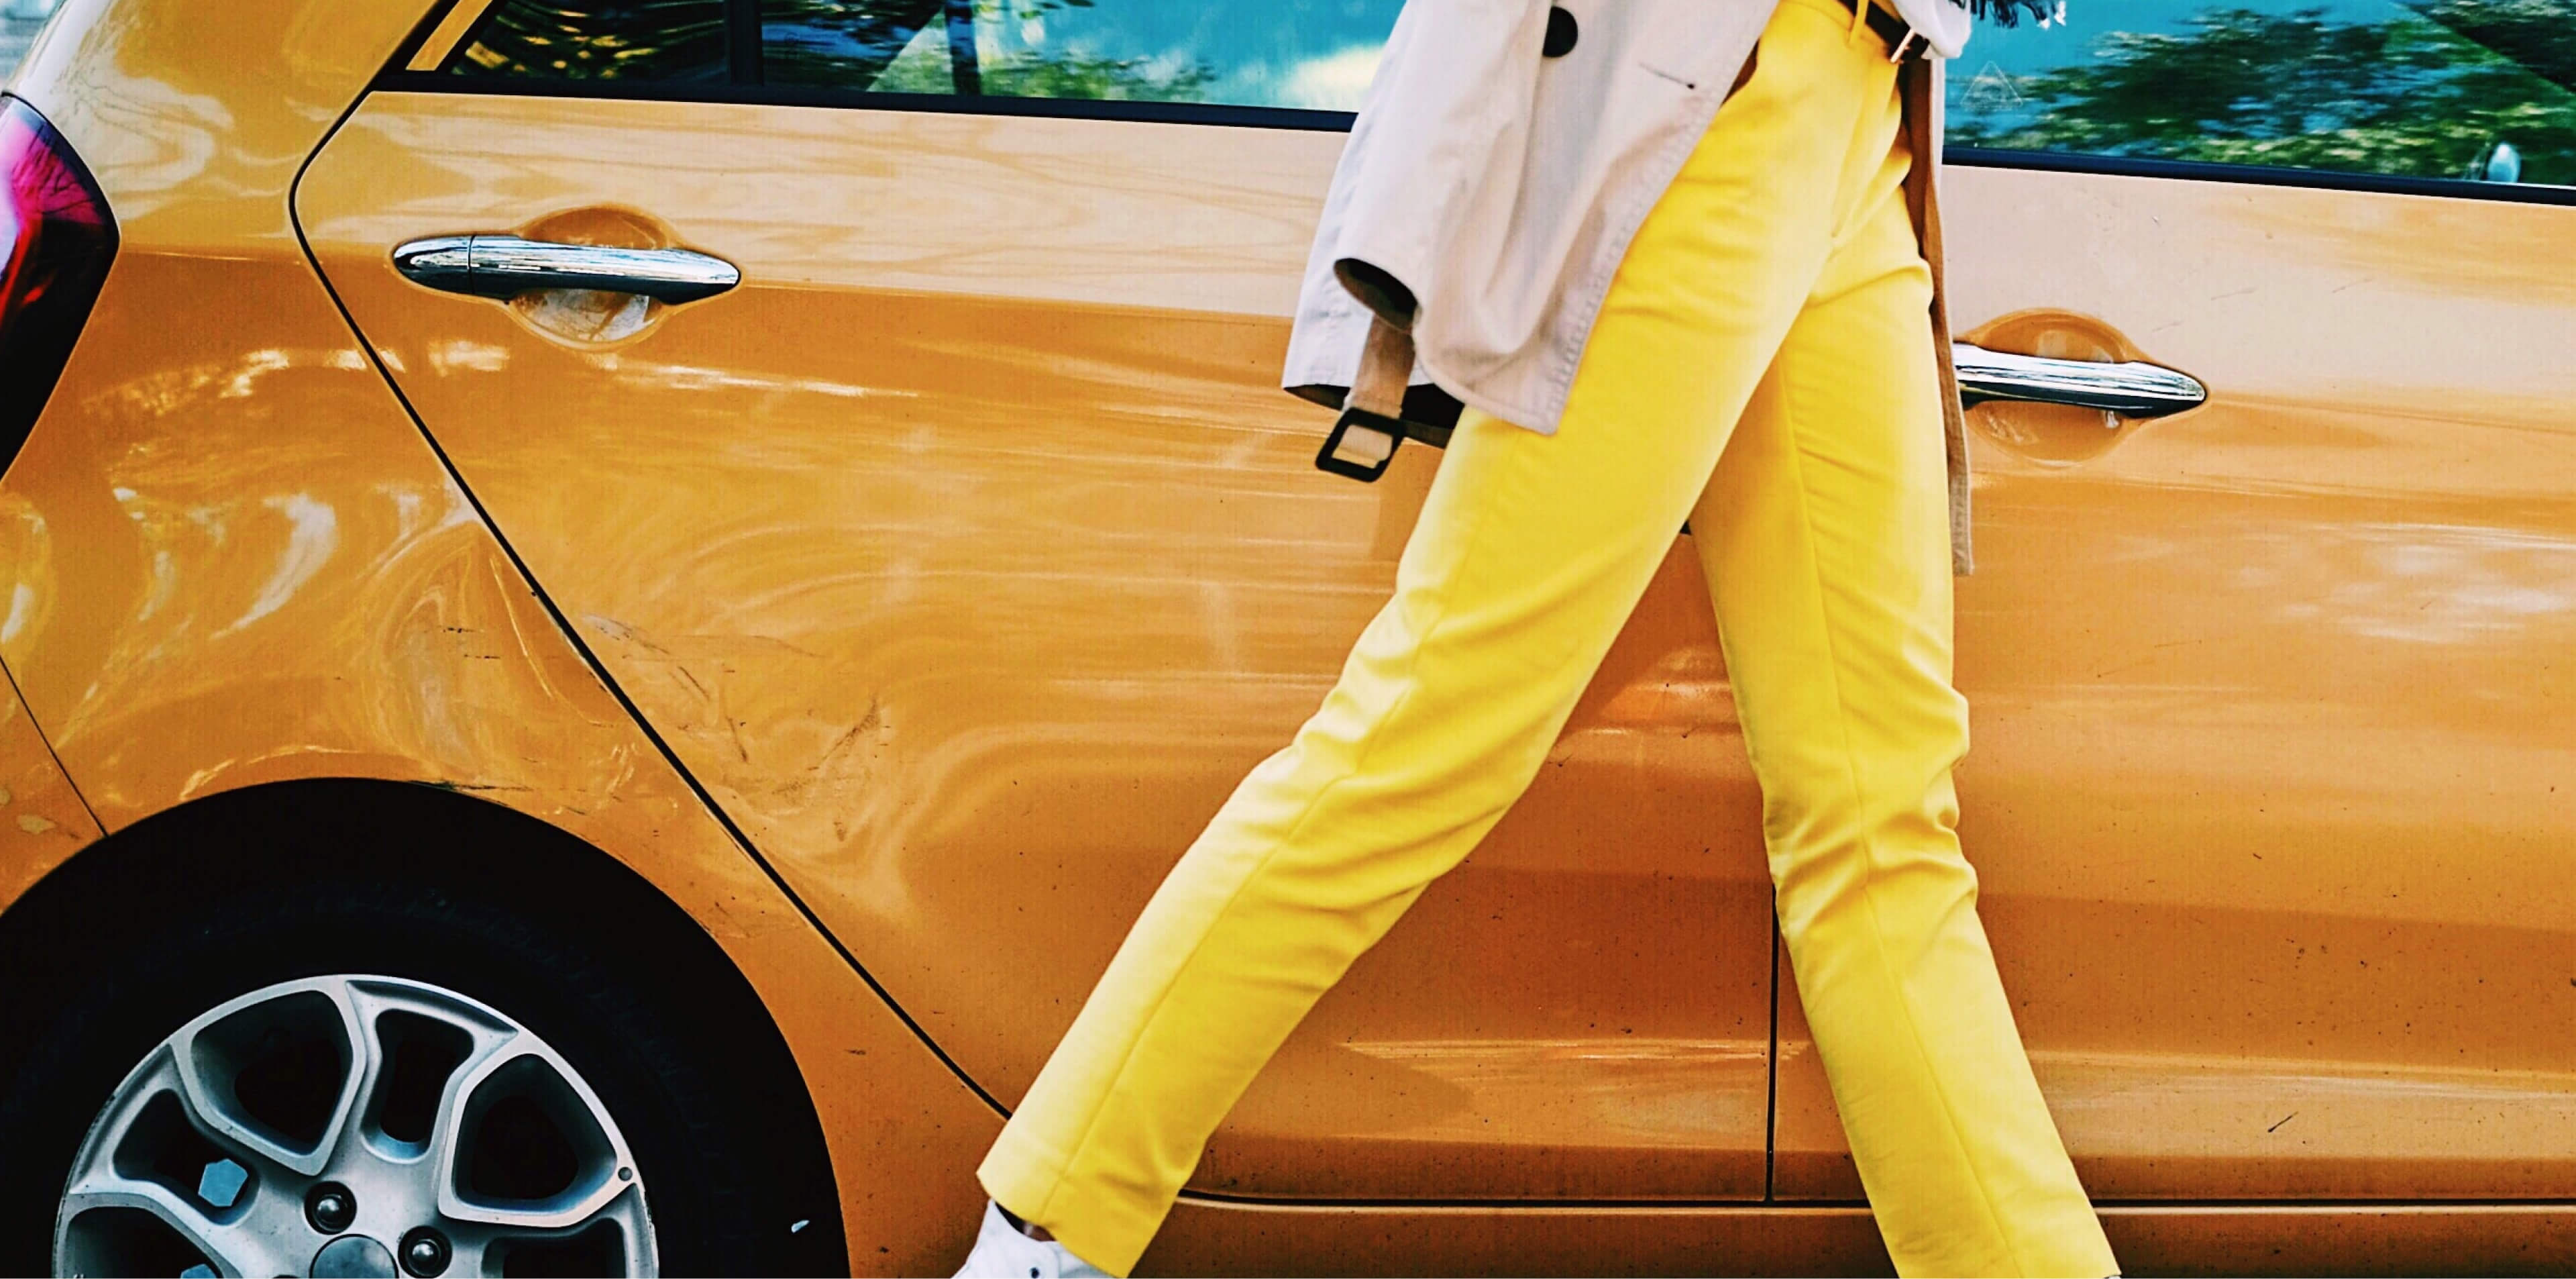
(1941, 24)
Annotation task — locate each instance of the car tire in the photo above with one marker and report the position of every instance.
(692, 1118)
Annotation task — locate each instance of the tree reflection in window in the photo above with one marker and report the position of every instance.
(853, 43)
(1301, 53)
(2425, 92)
(663, 41)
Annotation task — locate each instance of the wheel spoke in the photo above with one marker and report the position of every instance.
(152, 1158)
(527, 1145)
(102, 1236)
(616, 1239)
(277, 1072)
(420, 1048)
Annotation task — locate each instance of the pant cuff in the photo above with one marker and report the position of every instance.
(1096, 1223)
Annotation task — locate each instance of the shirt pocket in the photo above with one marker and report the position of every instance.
(1690, 44)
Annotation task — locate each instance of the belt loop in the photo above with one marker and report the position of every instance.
(1860, 20)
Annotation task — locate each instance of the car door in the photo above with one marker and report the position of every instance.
(2273, 790)
(905, 442)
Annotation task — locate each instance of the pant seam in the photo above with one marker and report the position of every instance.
(1869, 849)
(1359, 761)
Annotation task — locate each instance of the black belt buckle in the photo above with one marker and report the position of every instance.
(1359, 467)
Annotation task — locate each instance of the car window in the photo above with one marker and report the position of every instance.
(670, 41)
(1315, 54)
(1307, 54)
(2480, 89)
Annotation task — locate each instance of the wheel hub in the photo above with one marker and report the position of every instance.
(354, 1257)
(296, 1129)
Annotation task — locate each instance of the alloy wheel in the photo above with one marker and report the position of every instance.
(354, 1125)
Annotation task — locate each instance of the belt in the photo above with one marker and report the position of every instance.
(1896, 31)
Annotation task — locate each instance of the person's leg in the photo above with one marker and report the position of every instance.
(1825, 536)
(1530, 553)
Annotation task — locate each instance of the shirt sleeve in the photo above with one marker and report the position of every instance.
(1447, 113)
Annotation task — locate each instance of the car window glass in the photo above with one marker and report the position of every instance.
(1314, 54)
(2482, 89)
(664, 41)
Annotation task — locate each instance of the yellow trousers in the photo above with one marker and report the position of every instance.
(1763, 366)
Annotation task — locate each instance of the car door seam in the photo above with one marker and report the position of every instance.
(563, 624)
(50, 752)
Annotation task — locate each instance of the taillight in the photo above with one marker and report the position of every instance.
(56, 238)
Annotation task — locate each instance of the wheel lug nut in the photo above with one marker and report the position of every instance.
(424, 1252)
(330, 1207)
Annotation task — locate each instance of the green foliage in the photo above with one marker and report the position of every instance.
(868, 34)
(2422, 95)
(2539, 34)
(598, 40)
(881, 45)
(1073, 74)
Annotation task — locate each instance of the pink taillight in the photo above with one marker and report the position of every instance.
(56, 239)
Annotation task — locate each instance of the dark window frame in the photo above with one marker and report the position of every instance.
(743, 46)
(741, 17)
(397, 80)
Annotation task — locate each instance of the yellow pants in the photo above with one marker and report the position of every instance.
(1763, 366)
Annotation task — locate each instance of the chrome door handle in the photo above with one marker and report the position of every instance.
(504, 266)
(2133, 389)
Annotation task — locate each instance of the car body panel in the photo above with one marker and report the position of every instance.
(973, 635)
(2322, 466)
(1469, 1239)
(42, 819)
(2273, 791)
(238, 561)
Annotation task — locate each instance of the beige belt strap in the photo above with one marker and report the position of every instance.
(1386, 365)
(1365, 437)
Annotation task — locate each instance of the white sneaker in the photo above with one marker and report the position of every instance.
(1002, 1252)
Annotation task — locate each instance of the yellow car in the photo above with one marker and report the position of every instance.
(612, 605)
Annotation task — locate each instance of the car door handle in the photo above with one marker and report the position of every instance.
(504, 266)
(2133, 388)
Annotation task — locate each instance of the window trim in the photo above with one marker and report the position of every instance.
(442, 33)
(742, 28)
(2127, 166)
(1112, 109)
